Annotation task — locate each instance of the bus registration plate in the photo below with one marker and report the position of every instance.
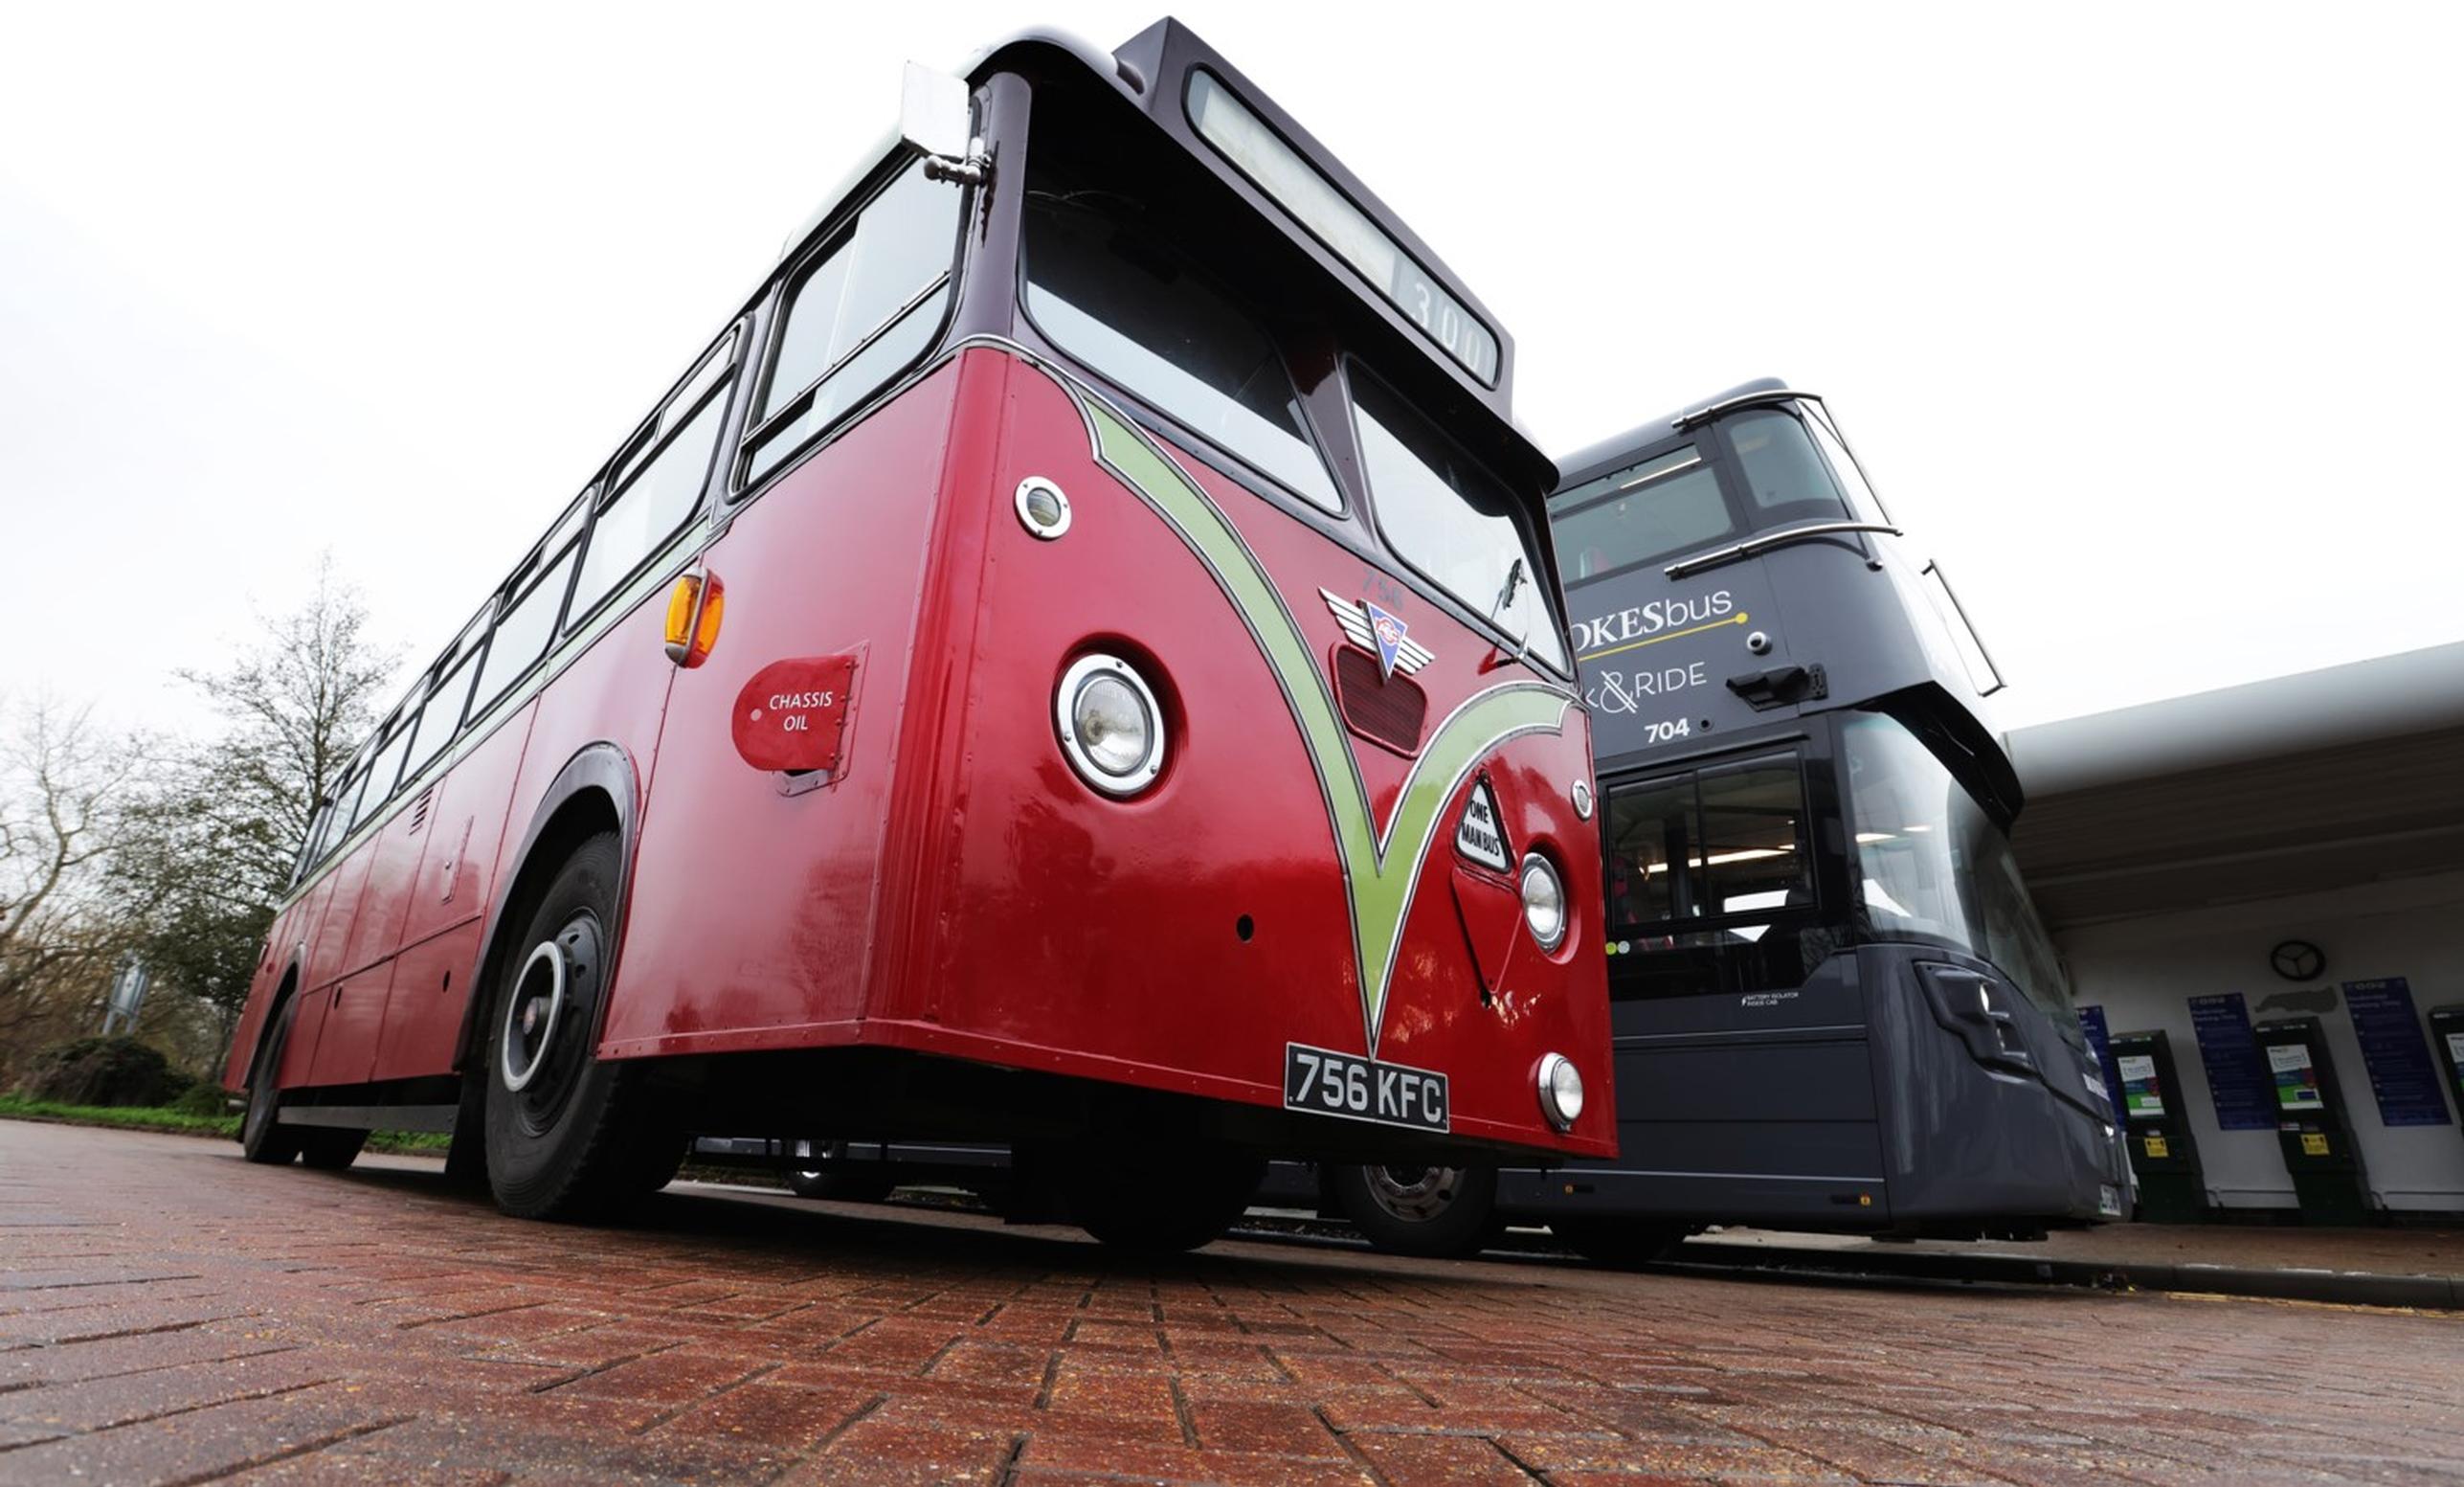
(1328, 1083)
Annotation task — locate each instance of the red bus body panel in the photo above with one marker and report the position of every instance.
(957, 889)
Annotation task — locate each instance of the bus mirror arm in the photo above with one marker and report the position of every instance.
(936, 119)
(973, 171)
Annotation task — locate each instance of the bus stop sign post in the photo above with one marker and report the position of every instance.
(2312, 1127)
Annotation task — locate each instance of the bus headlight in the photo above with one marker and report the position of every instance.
(1544, 902)
(1110, 726)
(1560, 1091)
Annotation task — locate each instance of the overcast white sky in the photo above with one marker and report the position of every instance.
(2118, 303)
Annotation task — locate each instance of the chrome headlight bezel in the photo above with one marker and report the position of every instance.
(1082, 672)
(1560, 1091)
(1537, 864)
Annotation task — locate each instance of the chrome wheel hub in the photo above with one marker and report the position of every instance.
(1416, 1195)
(531, 1016)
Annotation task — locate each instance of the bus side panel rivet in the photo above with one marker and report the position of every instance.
(1758, 642)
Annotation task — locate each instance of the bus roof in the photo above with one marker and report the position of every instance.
(1151, 72)
(1635, 443)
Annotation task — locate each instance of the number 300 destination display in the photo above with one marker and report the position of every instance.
(1362, 1088)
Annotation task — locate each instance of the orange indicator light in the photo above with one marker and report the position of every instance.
(693, 610)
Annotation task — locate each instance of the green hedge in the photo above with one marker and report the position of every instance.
(106, 1072)
(182, 1122)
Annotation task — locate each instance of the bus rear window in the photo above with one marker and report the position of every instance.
(1134, 307)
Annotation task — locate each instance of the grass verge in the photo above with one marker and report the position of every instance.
(180, 1122)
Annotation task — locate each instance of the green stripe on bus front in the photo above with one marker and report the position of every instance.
(1380, 869)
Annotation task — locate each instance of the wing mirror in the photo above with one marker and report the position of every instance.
(936, 119)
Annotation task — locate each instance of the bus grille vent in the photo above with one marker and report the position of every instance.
(419, 809)
(1389, 709)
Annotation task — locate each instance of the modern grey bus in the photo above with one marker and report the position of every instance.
(1834, 1006)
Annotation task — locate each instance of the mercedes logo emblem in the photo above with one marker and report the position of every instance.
(2298, 960)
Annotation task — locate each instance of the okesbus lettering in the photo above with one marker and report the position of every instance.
(1647, 619)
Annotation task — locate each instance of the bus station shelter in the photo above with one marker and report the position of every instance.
(2297, 844)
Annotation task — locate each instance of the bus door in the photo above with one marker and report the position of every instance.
(1740, 1027)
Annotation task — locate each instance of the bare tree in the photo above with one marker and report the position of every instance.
(294, 704)
(66, 792)
(221, 823)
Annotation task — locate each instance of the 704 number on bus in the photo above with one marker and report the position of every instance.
(1329, 1083)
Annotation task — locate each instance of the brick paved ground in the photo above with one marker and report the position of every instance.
(2380, 1251)
(170, 1314)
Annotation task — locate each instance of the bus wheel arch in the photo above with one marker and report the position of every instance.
(593, 793)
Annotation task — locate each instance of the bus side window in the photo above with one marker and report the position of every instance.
(1756, 851)
(661, 486)
(449, 690)
(385, 774)
(1667, 506)
(523, 632)
(858, 314)
(1711, 882)
(1652, 862)
(1786, 478)
(1863, 502)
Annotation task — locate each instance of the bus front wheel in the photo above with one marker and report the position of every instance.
(263, 1138)
(1158, 1199)
(331, 1148)
(1441, 1213)
(567, 1132)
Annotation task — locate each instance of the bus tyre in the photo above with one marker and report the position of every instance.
(839, 1186)
(466, 1154)
(1614, 1241)
(566, 1136)
(1156, 1199)
(263, 1137)
(331, 1148)
(1436, 1211)
(653, 1161)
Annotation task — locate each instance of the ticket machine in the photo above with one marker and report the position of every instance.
(2328, 1178)
(2172, 1189)
(2447, 1037)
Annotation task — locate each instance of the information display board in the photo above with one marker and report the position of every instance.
(2241, 1086)
(2402, 1075)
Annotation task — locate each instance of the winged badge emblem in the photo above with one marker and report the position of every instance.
(1379, 633)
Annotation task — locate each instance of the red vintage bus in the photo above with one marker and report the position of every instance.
(1076, 661)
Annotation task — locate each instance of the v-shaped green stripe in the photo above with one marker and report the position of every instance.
(1381, 867)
